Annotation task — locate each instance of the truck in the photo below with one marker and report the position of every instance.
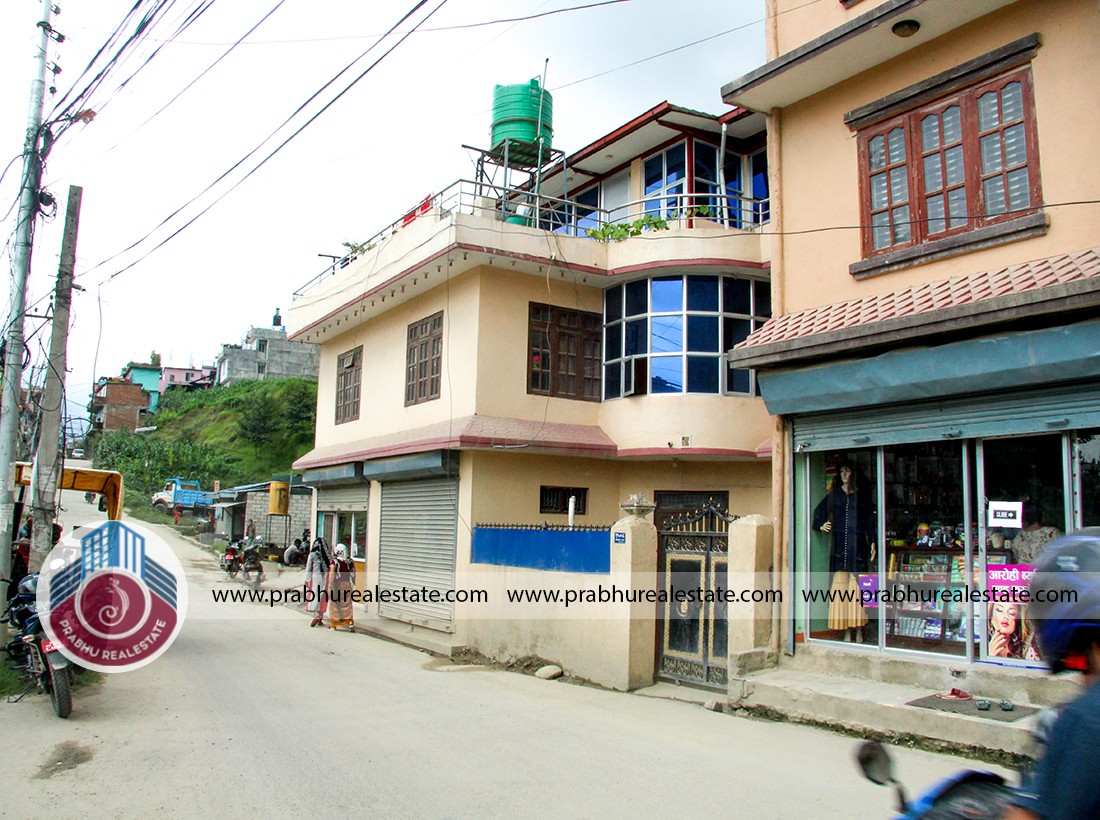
(181, 492)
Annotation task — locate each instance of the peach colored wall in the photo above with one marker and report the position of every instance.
(820, 170)
(712, 422)
(797, 22)
(382, 403)
(503, 344)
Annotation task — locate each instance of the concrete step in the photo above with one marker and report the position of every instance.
(418, 637)
(880, 710)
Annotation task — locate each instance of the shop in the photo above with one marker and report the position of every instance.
(925, 481)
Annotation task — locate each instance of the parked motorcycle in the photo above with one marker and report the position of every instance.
(971, 793)
(231, 561)
(34, 654)
(252, 568)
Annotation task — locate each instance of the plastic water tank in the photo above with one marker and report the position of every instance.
(516, 114)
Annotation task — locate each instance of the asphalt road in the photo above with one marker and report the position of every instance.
(251, 713)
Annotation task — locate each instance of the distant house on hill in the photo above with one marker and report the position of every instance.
(266, 353)
(148, 377)
(117, 404)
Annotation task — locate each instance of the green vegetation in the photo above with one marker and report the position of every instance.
(619, 231)
(240, 434)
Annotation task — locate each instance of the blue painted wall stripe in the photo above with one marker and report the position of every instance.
(561, 550)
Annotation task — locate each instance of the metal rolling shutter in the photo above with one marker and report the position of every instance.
(344, 499)
(417, 548)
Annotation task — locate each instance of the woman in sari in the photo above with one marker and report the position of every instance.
(340, 583)
(316, 572)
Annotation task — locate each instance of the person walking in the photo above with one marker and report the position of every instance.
(339, 584)
(316, 575)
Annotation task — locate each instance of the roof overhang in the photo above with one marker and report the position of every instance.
(859, 45)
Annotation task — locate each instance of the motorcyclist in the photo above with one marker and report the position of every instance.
(1066, 783)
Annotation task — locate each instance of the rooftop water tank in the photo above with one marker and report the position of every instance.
(516, 114)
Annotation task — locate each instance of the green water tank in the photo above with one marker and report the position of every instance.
(516, 114)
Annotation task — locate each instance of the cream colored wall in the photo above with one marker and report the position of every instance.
(712, 422)
(503, 344)
(384, 340)
(820, 169)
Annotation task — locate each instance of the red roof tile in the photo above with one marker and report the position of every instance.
(961, 290)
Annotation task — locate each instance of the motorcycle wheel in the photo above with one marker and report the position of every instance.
(231, 574)
(256, 582)
(61, 695)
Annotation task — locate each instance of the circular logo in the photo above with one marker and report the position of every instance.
(113, 597)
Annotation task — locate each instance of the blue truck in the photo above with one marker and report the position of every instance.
(181, 492)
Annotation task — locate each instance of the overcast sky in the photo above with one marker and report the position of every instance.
(390, 141)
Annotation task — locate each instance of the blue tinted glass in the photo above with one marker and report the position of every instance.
(763, 293)
(703, 334)
(666, 374)
(635, 338)
(591, 197)
(736, 330)
(735, 295)
(613, 304)
(654, 174)
(761, 210)
(613, 343)
(675, 163)
(611, 375)
(732, 167)
(668, 294)
(737, 381)
(703, 293)
(702, 374)
(636, 301)
(706, 162)
(667, 334)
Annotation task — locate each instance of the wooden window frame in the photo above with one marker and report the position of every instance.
(349, 379)
(555, 500)
(424, 360)
(583, 365)
(910, 122)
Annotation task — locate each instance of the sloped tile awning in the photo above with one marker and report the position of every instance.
(1058, 284)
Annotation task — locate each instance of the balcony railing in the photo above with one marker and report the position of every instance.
(568, 217)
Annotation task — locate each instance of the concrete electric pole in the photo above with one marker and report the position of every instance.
(47, 462)
(24, 236)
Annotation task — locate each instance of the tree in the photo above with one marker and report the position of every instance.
(259, 420)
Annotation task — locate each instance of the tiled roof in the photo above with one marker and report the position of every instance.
(930, 296)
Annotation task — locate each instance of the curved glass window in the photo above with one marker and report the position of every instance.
(670, 334)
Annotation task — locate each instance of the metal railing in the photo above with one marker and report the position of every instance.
(568, 217)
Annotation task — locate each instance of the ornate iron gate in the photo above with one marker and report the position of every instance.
(693, 547)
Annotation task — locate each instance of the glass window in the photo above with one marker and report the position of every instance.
(664, 180)
(720, 312)
(564, 354)
(349, 374)
(1087, 443)
(952, 166)
(424, 360)
(842, 546)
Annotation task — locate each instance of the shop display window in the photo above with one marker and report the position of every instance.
(1087, 444)
(843, 545)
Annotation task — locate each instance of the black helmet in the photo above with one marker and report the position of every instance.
(1065, 599)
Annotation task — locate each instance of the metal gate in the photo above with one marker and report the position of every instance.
(693, 549)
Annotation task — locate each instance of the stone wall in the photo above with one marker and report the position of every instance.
(272, 528)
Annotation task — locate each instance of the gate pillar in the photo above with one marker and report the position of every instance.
(634, 566)
(750, 571)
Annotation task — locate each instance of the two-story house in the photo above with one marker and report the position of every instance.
(485, 363)
(935, 285)
(266, 353)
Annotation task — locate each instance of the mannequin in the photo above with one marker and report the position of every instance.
(847, 514)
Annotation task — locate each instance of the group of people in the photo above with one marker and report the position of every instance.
(330, 579)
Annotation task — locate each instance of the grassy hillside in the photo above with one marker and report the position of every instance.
(237, 435)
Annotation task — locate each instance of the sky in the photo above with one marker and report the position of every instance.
(389, 141)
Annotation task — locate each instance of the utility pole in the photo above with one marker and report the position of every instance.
(24, 233)
(47, 464)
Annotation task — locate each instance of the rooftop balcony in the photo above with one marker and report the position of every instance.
(471, 224)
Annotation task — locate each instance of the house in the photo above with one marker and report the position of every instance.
(935, 285)
(494, 382)
(186, 378)
(236, 506)
(117, 404)
(148, 377)
(267, 353)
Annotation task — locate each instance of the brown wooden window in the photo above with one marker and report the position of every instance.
(349, 376)
(564, 355)
(962, 163)
(424, 360)
(554, 500)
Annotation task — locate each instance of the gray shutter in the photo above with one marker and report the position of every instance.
(416, 549)
(1050, 410)
(344, 499)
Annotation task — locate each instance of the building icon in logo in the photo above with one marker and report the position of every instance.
(117, 602)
